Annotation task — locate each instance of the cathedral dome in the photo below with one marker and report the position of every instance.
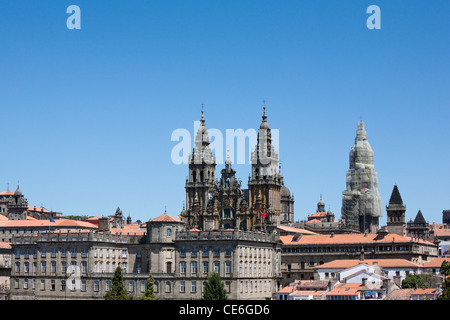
(285, 192)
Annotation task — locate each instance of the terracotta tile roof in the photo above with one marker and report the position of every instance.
(314, 221)
(441, 232)
(318, 215)
(345, 289)
(7, 193)
(384, 263)
(435, 263)
(5, 245)
(400, 294)
(426, 291)
(307, 292)
(295, 230)
(347, 238)
(287, 289)
(3, 218)
(60, 223)
(165, 218)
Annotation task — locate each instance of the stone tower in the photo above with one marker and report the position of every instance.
(230, 200)
(200, 183)
(361, 201)
(18, 206)
(395, 212)
(265, 182)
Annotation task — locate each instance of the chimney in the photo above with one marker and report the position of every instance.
(330, 285)
(332, 235)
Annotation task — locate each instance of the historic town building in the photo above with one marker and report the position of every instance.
(223, 204)
(302, 252)
(80, 265)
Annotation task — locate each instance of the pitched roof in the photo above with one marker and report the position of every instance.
(294, 230)
(60, 223)
(347, 239)
(384, 263)
(165, 218)
(421, 291)
(345, 289)
(395, 197)
(435, 263)
(419, 218)
(400, 294)
(7, 193)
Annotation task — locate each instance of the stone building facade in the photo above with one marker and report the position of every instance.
(302, 252)
(80, 265)
(221, 204)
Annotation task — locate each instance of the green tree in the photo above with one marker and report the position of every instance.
(214, 288)
(445, 271)
(413, 281)
(117, 291)
(445, 289)
(149, 291)
(445, 268)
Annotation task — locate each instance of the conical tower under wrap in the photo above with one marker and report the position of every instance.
(361, 201)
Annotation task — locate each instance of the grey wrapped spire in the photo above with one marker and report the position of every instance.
(361, 201)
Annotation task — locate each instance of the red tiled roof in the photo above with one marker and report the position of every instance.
(400, 294)
(7, 193)
(421, 291)
(60, 223)
(295, 230)
(384, 263)
(347, 238)
(318, 214)
(314, 221)
(6, 245)
(165, 218)
(435, 263)
(345, 289)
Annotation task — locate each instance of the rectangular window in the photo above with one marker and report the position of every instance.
(217, 267)
(228, 267)
(182, 267)
(205, 267)
(83, 285)
(194, 286)
(182, 286)
(63, 285)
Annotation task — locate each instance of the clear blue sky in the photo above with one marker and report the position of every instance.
(87, 115)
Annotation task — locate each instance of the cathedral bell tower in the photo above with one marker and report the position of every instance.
(200, 183)
(361, 201)
(265, 182)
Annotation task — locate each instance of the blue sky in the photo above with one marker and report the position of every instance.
(87, 115)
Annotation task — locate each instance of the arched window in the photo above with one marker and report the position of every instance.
(168, 232)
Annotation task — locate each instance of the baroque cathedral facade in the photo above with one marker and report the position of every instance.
(218, 204)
